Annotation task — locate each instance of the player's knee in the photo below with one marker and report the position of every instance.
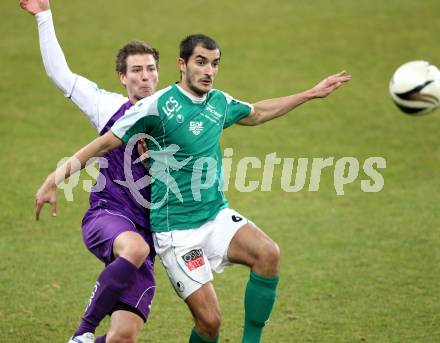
(274, 253)
(209, 326)
(139, 254)
(135, 252)
(270, 256)
(121, 336)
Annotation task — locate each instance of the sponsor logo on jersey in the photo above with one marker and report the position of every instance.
(196, 127)
(194, 259)
(212, 110)
(180, 118)
(171, 107)
(211, 114)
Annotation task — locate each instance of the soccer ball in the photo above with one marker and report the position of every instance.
(415, 87)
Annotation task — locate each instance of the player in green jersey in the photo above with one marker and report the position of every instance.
(195, 231)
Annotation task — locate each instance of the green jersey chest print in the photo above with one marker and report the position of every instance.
(183, 138)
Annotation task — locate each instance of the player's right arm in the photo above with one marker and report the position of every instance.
(54, 61)
(92, 101)
(140, 118)
(97, 148)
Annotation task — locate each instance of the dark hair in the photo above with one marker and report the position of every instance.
(134, 47)
(188, 45)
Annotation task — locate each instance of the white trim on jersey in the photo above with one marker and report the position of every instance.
(97, 104)
(143, 108)
(229, 99)
(193, 98)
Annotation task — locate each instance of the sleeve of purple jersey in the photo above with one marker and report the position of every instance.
(53, 57)
(97, 104)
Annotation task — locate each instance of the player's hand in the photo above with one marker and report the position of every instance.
(46, 194)
(34, 6)
(330, 84)
(143, 151)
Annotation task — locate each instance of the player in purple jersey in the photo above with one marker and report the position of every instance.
(116, 227)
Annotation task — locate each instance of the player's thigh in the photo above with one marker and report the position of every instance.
(100, 228)
(124, 326)
(250, 245)
(204, 305)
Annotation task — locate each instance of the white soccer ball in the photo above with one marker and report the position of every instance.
(415, 87)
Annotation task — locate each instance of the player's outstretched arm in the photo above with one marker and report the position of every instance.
(34, 6)
(54, 61)
(92, 101)
(46, 194)
(81, 91)
(266, 110)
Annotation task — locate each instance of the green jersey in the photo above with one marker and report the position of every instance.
(183, 137)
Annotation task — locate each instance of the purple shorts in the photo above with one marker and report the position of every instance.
(100, 227)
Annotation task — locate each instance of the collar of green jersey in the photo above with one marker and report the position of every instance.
(194, 99)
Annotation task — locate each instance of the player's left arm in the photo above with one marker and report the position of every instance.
(269, 109)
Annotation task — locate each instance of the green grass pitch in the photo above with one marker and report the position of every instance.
(362, 267)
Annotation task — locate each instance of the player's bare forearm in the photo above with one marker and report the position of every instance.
(269, 109)
(34, 6)
(266, 110)
(97, 148)
(46, 194)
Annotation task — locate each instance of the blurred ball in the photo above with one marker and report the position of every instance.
(415, 87)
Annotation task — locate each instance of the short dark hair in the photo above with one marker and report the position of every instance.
(188, 45)
(134, 47)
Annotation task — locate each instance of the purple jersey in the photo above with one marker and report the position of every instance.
(113, 209)
(102, 109)
(115, 196)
